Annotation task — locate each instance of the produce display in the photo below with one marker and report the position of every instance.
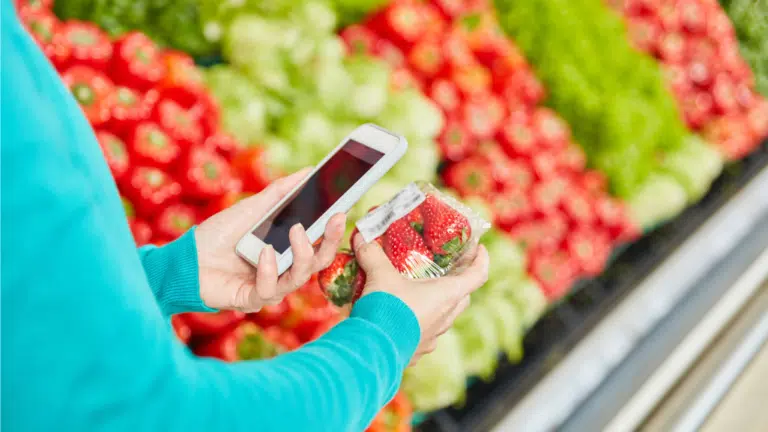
(571, 125)
(750, 19)
(697, 47)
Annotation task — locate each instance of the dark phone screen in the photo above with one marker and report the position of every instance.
(319, 193)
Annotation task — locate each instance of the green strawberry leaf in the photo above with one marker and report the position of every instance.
(443, 261)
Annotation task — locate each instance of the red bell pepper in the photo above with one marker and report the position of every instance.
(589, 248)
(396, 416)
(249, 166)
(206, 112)
(179, 123)
(572, 159)
(181, 329)
(205, 175)
(183, 81)
(456, 53)
(523, 88)
(45, 29)
(92, 90)
(470, 177)
(137, 63)
(129, 108)
(209, 324)
(402, 23)
(510, 208)
(175, 220)
(90, 45)
(551, 131)
(224, 144)
(307, 310)
(425, 58)
(115, 154)
(511, 174)
(150, 189)
(547, 195)
(594, 183)
(152, 146)
(226, 201)
(516, 137)
(141, 231)
(554, 271)
(248, 341)
(455, 142)
(358, 39)
(544, 164)
(483, 115)
(445, 94)
(472, 80)
(578, 207)
(612, 216)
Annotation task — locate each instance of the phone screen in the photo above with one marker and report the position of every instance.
(319, 193)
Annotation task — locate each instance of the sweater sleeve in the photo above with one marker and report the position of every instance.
(86, 345)
(173, 276)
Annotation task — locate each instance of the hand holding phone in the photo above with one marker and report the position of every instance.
(333, 187)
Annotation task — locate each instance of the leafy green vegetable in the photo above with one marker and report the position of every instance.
(660, 198)
(479, 340)
(438, 379)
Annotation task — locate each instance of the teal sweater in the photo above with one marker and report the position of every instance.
(86, 341)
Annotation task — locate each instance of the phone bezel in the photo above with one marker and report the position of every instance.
(393, 147)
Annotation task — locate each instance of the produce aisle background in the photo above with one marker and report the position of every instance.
(574, 127)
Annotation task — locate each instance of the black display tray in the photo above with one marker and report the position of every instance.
(563, 326)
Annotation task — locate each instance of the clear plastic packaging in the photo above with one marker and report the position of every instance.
(424, 232)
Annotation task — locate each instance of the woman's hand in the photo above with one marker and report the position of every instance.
(229, 282)
(435, 302)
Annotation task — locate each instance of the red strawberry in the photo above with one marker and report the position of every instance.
(402, 23)
(594, 182)
(406, 249)
(446, 231)
(425, 58)
(692, 16)
(472, 80)
(524, 87)
(700, 73)
(572, 159)
(546, 196)
(343, 281)
(512, 174)
(643, 33)
(483, 115)
(545, 164)
(724, 95)
(416, 220)
(516, 137)
(612, 216)
(470, 177)
(697, 109)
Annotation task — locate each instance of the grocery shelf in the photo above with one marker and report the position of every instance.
(578, 370)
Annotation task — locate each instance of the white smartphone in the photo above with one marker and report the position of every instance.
(333, 187)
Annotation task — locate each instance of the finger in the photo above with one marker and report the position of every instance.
(303, 258)
(473, 277)
(371, 257)
(266, 278)
(334, 233)
(273, 193)
(454, 314)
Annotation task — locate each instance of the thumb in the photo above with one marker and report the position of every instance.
(370, 256)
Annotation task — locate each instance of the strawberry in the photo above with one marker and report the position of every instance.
(692, 16)
(343, 281)
(511, 174)
(445, 94)
(406, 249)
(697, 109)
(470, 177)
(390, 53)
(472, 80)
(699, 73)
(522, 86)
(612, 216)
(401, 22)
(547, 195)
(446, 231)
(724, 95)
(643, 33)
(545, 164)
(416, 220)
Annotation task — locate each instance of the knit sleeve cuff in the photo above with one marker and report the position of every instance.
(173, 274)
(394, 318)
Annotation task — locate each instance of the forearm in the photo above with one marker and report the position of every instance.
(173, 275)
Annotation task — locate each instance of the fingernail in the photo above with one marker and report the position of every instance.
(265, 252)
(298, 227)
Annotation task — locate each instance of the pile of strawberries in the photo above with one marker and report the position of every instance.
(424, 243)
(157, 124)
(497, 143)
(697, 46)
